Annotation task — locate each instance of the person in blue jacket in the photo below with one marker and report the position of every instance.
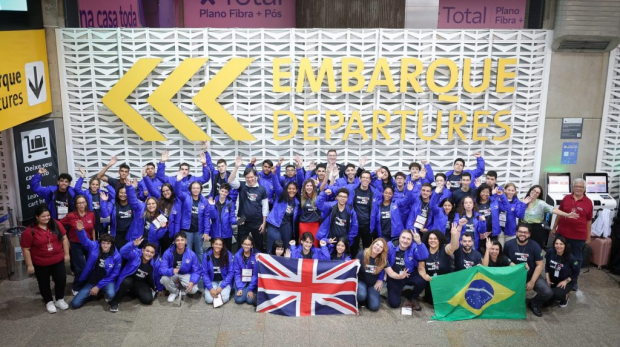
(283, 216)
(418, 174)
(151, 176)
(339, 218)
(265, 177)
(92, 195)
(145, 221)
(402, 267)
(246, 272)
(350, 177)
(217, 271)
(102, 268)
(511, 213)
(116, 206)
(386, 220)
(307, 250)
(59, 198)
(475, 224)
(454, 176)
(219, 176)
(338, 249)
(139, 276)
(489, 202)
(171, 206)
(195, 210)
(222, 214)
(180, 269)
(443, 215)
(185, 177)
(293, 173)
(420, 211)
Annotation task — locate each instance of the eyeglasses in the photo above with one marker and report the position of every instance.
(580, 187)
(522, 232)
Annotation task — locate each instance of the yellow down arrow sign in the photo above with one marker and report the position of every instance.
(160, 99)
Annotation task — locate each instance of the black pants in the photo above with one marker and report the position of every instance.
(58, 274)
(251, 227)
(559, 294)
(164, 243)
(539, 234)
(228, 243)
(120, 240)
(140, 289)
(364, 234)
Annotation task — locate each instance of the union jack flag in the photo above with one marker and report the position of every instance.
(304, 287)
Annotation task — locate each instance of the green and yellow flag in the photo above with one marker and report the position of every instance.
(480, 292)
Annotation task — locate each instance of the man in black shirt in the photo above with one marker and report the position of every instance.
(123, 172)
(361, 198)
(464, 190)
(466, 257)
(524, 250)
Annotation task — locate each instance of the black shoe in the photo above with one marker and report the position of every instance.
(563, 303)
(575, 288)
(536, 310)
(416, 305)
(113, 306)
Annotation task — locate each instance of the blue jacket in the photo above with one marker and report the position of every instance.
(279, 208)
(298, 178)
(480, 227)
(190, 265)
(326, 208)
(232, 194)
(186, 181)
(320, 253)
(204, 220)
(343, 182)
(429, 178)
(268, 181)
(439, 218)
(496, 203)
(49, 192)
(396, 206)
(514, 209)
(414, 254)
(133, 255)
(156, 182)
(416, 209)
(175, 220)
(479, 171)
(330, 249)
(239, 265)
(221, 223)
(137, 224)
(207, 270)
(108, 209)
(112, 263)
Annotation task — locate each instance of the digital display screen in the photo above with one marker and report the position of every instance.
(13, 5)
(596, 184)
(558, 184)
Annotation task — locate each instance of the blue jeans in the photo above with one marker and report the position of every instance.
(83, 295)
(576, 249)
(78, 255)
(395, 288)
(274, 234)
(369, 294)
(244, 296)
(225, 293)
(194, 242)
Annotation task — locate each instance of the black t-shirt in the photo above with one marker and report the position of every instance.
(399, 261)
(485, 210)
(557, 269)
(455, 182)
(62, 200)
(124, 216)
(218, 182)
(459, 195)
(309, 212)
(530, 253)
(307, 256)
(96, 206)
(464, 260)
(386, 221)
(439, 263)
(193, 227)
(144, 273)
(502, 261)
(178, 260)
(288, 213)
(366, 273)
(98, 272)
(147, 227)
(250, 202)
(217, 270)
(470, 227)
(339, 226)
(362, 202)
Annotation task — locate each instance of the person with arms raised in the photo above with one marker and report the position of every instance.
(148, 220)
(151, 175)
(59, 198)
(386, 220)
(455, 175)
(340, 219)
(183, 177)
(123, 173)
(222, 214)
(307, 250)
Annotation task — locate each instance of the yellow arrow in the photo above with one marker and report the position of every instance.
(205, 99)
(115, 99)
(160, 99)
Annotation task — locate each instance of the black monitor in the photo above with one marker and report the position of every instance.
(558, 182)
(596, 182)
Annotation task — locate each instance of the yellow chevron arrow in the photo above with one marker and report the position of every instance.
(205, 99)
(115, 99)
(160, 99)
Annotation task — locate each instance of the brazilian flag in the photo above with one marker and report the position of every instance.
(480, 292)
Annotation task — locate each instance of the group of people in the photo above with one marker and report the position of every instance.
(146, 236)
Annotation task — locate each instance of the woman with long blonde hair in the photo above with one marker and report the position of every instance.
(370, 274)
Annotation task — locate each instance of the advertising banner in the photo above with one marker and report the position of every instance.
(481, 14)
(239, 13)
(110, 14)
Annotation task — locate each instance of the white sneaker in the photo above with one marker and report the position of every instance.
(171, 297)
(61, 304)
(74, 292)
(50, 307)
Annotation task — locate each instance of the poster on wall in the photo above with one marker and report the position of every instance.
(239, 13)
(110, 14)
(481, 14)
(35, 148)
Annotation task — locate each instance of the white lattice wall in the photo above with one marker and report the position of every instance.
(608, 159)
(91, 62)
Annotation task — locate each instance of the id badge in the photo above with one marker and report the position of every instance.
(556, 273)
(62, 211)
(246, 275)
(435, 274)
(420, 222)
(50, 247)
(502, 219)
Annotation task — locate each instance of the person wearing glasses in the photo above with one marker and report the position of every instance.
(577, 230)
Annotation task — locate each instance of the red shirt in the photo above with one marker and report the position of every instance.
(71, 221)
(40, 251)
(576, 229)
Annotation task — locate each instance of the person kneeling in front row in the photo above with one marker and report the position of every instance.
(180, 269)
(217, 272)
(246, 272)
(562, 268)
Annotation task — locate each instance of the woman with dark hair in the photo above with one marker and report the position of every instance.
(102, 269)
(146, 222)
(93, 196)
(339, 250)
(443, 215)
(385, 215)
(440, 253)
(278, 248)
(489, 202)
(441, 188)
(46, 251)
(535, 215)
(283, 216)
(475, 224)
(171, 206)
(310, 217)
(371, 272)
(246, 272)
(195, 209)
(561, 270)
(494, 255)
(306, 250)
(222, 214)
(511, 211)
(217, 271)
(387, 180)
(119, 212)
(78, 251)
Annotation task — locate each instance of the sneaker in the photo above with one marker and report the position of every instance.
(171, 297)
(416, 305)
(50, 307)
(74, 292)
(575, 288)
(61, 304)
(114, 307)
(563, 303)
